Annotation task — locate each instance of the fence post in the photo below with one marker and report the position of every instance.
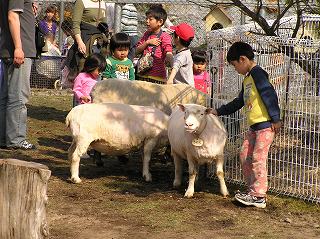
(23, 199)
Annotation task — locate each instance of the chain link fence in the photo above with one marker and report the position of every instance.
(294, 70)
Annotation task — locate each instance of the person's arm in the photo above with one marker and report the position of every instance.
(179, 61)
(108, 72)
(267, 93)
(166, 45)
(131, 72)
(14, 26)
(76, 20)
(77, 87)
(145, 42)
(35, 8)
(232, 106)
(169, 59)
(172, 75)
(140, 48)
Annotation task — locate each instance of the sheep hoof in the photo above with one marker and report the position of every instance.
(147, 178)
(188, 195)
(176, 184)
(75, 180)
(225, 194)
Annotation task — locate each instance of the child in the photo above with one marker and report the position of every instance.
(263, 116)
(118, 65)
(154, 37)
(53, 49)
(87, 78)
(182, 64)
(201, 76)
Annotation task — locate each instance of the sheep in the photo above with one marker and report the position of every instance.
(115, 129)
(163, 97)
(198, 136)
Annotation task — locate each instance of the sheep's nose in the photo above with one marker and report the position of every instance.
(189, 124)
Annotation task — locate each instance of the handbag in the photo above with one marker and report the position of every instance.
(145, 62)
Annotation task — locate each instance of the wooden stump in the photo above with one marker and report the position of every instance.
(23, 199)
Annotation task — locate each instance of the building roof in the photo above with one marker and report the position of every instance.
(221, 9)
(287, 24)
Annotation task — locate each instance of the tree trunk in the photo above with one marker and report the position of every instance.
(23, 199)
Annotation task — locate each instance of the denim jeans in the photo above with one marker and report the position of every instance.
(14, 94)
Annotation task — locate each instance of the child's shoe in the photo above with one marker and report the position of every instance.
(250, 200)
(240, 193)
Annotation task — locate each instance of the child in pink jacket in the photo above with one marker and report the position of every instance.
(84, 82)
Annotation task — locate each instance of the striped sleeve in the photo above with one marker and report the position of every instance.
(166, 43)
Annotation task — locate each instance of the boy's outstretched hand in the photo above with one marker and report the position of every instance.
(276, 126)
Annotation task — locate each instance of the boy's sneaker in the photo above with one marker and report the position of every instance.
(249, 200)
(25, 145)
(239, 193)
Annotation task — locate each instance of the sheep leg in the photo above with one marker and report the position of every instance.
(76, 150)
(147, 150)
(97, 158)
(177, 169)
(193, 171)
(220, 174)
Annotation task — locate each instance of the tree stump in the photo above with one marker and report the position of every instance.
(23, 199)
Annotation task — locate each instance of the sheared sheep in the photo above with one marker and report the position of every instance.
(198, 136)
(163, 97)
(115, 129)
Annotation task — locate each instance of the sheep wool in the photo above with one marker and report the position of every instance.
(163, 97)
(115, 129)
(199, 137)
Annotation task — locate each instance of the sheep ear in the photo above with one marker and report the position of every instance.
(209, 111)
(181, 106)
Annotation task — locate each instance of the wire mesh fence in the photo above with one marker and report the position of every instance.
(294, 70)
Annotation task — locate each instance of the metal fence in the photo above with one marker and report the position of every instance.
(294, 70)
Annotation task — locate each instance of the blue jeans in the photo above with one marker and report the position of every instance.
(14, 94)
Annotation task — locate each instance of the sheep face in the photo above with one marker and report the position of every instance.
(194, 117)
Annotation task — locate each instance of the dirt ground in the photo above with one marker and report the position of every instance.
(115, 202)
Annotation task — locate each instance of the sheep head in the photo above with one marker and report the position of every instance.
(194, 117)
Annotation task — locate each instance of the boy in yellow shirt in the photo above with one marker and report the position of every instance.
(263, 115)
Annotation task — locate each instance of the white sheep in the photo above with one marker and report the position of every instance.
(115, 129)
(163, 97)
(198, 136)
